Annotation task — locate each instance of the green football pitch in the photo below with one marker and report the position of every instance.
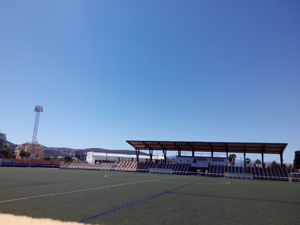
(107, 197)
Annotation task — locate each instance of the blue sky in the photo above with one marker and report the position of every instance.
(111, 71)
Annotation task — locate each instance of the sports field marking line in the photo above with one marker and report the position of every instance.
(217, 183)
(68, 192)
(153, 196)
(62, 182)
(22, 181)
(235, 198)
(121, 178)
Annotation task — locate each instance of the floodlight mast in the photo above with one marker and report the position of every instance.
(38, 109)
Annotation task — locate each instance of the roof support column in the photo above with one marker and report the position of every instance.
(262, 159)
(137, 153)
(281, 161)
(193, 151)
(226, 151)
(212, 151)
(165, 155)
(151, 154)
(179, 150)
(244, 155)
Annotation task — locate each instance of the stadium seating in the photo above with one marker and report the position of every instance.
(219, 171)
(258, 172)
(133, 166)
(88, 166)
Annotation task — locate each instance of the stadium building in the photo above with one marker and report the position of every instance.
(35, 149)
(104, 157)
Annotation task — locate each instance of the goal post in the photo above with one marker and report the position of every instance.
(294, 176)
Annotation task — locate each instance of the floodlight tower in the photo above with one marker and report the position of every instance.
(38, 109)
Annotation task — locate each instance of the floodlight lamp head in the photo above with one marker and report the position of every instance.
(38, 108)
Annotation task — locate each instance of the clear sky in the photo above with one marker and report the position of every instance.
(111, 71)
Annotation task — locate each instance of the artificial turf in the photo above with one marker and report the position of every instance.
(108, 197)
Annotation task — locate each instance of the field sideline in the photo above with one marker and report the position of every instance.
(107, 197)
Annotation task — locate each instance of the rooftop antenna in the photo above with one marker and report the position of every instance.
(38, 109)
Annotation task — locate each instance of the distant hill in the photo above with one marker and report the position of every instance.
(63, 151)
(112, 151)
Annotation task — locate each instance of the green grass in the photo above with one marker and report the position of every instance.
(74, 195)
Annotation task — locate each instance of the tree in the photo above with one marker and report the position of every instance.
(247, 160)
(274, 164)
(297, 160)
(257, 162)
(78, 155)
(68, 158)
(47, 158)
(22, 154)
(5, 151)
(231, 159)
(27, 155)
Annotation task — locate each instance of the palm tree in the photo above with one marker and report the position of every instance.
(247, 161)
(231, 159)
(257, 162)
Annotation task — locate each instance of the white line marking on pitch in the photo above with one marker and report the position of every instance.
(89, 189)
(218, 183)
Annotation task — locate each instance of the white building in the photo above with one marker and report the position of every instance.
(35, 149)
(202, 162)
(94, 157)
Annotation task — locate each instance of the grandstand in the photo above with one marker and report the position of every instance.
(89, 166)
(193, 165)
(257, 172)
(128, 166)
(185, 169)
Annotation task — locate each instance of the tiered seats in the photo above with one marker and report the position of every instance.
(104, 166)
(88, 166)
(126, 166)
(296, 177)
(121, 165)
(176, 168)
(217, 171)
(269, 173)
(131, 167)
(143, 167)
(181, 168)
(220, 170)
(233, 169)
(258, 172)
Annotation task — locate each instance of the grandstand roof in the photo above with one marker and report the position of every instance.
(234, 147)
